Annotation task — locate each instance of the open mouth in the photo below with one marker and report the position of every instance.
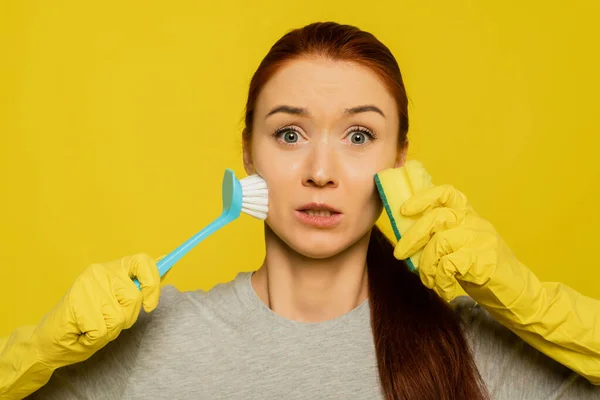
(319, 215)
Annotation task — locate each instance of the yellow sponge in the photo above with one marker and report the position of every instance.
(395, 186)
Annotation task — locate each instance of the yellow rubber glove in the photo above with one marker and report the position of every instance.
(101, 303)
(457, 246)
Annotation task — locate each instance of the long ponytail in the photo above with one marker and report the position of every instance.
(421, 350)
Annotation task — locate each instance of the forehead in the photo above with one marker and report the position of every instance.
(325, 85)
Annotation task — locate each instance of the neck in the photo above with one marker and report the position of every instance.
(311, 290)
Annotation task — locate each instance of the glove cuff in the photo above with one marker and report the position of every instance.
(22, 370)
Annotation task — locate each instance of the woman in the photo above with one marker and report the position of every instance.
(330, 313)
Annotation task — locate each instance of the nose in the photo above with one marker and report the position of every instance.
(321, 168)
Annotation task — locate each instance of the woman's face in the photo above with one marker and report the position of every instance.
(322, 129)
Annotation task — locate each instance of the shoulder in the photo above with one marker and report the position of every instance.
(223, 297)
(198, 311)
(510, 367)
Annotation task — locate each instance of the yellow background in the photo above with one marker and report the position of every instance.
(117, 120)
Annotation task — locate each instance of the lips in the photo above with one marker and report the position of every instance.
(318, 207)
(319, 215)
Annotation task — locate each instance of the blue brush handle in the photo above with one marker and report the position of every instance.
(166, 263)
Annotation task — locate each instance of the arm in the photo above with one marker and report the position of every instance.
(510, 367)
(451, 245)
(465, 249)
(21, 370)
(102, 302)
(553, 318)
(105, 375)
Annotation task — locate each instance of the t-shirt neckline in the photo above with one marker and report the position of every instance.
(250, 300)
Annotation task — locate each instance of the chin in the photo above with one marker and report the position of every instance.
(320, 244)
(318, 250)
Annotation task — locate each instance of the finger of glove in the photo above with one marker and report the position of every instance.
(436, 196)
(420, 233)
(129, 299)
(482, 257)
(445, 278)
(441, 245)
(96, 313)
(143, 267)
(112, 312)
(446, 295)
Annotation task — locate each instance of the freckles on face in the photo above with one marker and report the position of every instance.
(322, 130)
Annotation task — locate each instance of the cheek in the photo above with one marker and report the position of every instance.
(359, 176)
(362, 197)
(272, 163)
(281, 174)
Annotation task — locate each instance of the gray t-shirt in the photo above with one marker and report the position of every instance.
(226, 344)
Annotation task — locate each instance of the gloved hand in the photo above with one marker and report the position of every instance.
(457, 244)
(458, 247)
(101, 303)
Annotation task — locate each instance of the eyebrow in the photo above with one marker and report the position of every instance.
(288, 110)
(362, 109)
(304, 112)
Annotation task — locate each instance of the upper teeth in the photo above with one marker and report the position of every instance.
(319, 213)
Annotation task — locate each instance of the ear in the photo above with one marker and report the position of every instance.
(248, 162)
(401, 156)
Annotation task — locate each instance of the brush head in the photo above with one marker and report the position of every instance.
(249, 195)
(255, 196)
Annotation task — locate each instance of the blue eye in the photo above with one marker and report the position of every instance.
(360, 136)
(289, 136)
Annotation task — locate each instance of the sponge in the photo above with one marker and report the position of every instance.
(395, 186)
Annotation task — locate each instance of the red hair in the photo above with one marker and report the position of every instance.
(421, 349)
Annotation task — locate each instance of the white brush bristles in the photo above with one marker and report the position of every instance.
(255, 196)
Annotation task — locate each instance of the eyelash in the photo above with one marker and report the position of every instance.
(285, 129)
(364, 130)
(356, 128)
